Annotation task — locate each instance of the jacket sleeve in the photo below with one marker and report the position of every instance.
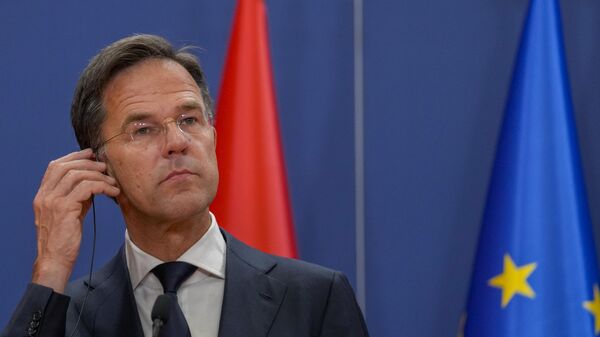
(40, 313)
(343, 316)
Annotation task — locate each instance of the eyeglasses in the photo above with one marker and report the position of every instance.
(144, 133)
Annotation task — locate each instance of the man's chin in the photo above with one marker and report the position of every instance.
(181, 206)
(168, 205)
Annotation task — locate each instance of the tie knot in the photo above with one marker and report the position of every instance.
(172, 274)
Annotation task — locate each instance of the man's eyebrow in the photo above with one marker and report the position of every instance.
(135, 117)
(139, 116)
(190, 105)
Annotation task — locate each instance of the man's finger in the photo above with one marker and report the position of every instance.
(56, 171)
(73, 177)
(83, 154)
(85, 189)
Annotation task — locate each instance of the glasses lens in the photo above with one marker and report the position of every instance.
(190, 124)
(144, 133)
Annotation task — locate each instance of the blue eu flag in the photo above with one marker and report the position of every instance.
(535, 272)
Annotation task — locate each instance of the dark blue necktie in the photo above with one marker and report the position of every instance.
(171, 276)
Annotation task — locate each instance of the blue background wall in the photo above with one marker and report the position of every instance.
(436, 78)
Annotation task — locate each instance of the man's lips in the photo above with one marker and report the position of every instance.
(175, 174)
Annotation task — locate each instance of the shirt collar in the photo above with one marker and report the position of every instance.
(208, 254)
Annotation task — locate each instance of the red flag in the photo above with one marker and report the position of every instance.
(252, 202)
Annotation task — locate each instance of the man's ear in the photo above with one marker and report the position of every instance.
(109, 171)
(103, 157)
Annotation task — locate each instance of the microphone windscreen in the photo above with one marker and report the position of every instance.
(161, 308)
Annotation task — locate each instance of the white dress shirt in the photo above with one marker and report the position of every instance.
(200, 296)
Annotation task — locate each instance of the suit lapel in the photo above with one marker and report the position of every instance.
(252, 298)
(112, 303)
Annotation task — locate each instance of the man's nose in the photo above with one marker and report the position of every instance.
(176, 141)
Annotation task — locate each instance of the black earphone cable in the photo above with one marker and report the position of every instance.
(89, 283)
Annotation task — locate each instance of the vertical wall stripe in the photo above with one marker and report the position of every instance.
(359, 167)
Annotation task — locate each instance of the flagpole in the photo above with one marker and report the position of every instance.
(359, 175)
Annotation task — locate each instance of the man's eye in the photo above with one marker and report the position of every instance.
(142, 131)
(188, 121)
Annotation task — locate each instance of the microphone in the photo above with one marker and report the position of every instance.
(160, 312)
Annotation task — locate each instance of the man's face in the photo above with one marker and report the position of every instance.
(174, 177)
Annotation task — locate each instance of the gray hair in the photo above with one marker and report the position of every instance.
(87, 110)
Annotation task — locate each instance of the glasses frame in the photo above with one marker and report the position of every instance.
(163, 131)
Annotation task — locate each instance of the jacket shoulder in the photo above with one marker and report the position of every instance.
(116, 266)
(292, 272)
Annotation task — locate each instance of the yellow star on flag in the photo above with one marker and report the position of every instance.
(513, 280)
(593, 306)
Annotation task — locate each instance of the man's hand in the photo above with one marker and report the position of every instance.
(60, 205)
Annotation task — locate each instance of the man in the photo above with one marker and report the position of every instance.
(142, 115)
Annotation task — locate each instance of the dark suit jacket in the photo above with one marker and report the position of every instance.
(264, 295)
